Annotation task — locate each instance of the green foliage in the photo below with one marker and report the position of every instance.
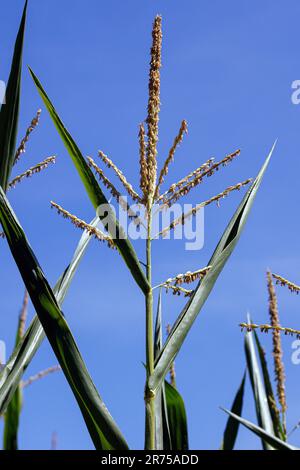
(217, 262)
(95, 193)
(100, 424)
(272, 441)
(232, 426)
(9, 112)
(176, 418)
(22, 355)
(166, 421)
(13, 412)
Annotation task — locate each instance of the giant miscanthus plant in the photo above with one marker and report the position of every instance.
(49, 319)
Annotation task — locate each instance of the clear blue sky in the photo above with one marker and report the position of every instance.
(227, 69)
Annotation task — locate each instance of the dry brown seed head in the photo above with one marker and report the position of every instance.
(181, 220)
(144, 180)
(31, 171)
(265, 328)
(114, 192)
(284, 282)
(164, 171)
(175, 186)
(79, 223)
(109, 163)
(188, 277)
(188, 184)
(177, 290)
(277, 349)
(153, 106)
(22, 147)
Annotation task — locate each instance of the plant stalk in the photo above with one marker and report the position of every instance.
(149, 396)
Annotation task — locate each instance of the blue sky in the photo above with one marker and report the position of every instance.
(227, 69)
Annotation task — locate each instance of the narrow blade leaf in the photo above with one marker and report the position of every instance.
(102, 428)
(21, 357)
(232, 426)
(162, 431)
(217, 262)
(176, 418)
(13, 412)
(269, 390)
(259, 393)
(95, 193)
(273, 441)
(9, 113)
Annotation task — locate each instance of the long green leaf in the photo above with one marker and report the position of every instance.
(95, 193)
(259, 393)
(232, 426)
(217, 262)
(159, 398)
(278, 431)
(102, 428)
(176, 418)
(273, 441)
(162, 431)
(13, 412)
(21, 357)
(9, 113)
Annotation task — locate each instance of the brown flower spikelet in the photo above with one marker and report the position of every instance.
(110, 164)
(284, 282)
(144, 181)
(188, 277)
(277, 350)
(84, 226)
(32, 171)
(114, 192)
(181, 220)
(265, 328)
(22, 147)
(153, 105)
(175, 186)
(184, 189)
(164, 171)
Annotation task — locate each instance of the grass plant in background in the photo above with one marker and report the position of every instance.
(271, 408)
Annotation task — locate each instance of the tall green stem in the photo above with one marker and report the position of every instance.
(149, 396)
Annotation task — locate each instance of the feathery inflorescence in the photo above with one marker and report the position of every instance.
(175, 186)
(181, 220)
(22, 147)
(265, 328)
(109, 163)
(164, 171)
(184, 186)
(114, 192)
(284, 282)
(31, 171)
(175, 283)
(177, 290)
(188, 277)
(144, 180)
(79, 223)
(153, 107)
(277, 349)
